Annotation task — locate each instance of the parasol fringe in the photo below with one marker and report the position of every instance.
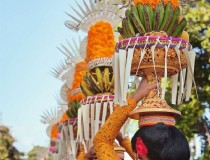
(190, 72)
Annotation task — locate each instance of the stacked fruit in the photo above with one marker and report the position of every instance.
(142, 19)
(73, 109)
(99, 82)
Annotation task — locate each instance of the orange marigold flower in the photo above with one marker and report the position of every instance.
(100, 41)
(175, 3)
(80, 70)
(54, 131)
(153, 3)
(64, 118)
(75, 97)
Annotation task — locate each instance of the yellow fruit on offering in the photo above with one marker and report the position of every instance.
(185, 36)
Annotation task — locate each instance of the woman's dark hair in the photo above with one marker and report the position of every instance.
(163, 142)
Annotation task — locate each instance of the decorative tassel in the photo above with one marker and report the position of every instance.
(71, 133)
(180, 93)
(85, 117)
(85, 148)
(67, 141)
(127, 74)
(111, 106)
(181, 74)
(105, 104)
(122, 65)
(184, 77)
(165, 72)
(174, 88)
(92, 120)
(97, 116)
(73, 143)
(115, 66)
(190, 73)
(80, 126)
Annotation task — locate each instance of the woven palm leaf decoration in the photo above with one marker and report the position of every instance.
(52, 118)
(91, 12)
(67, 68)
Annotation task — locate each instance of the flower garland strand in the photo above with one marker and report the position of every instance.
(54, 131)
(80, 70)
(100, 41)
(154, 3)
(64, 118)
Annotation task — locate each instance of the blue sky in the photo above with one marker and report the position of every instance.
(29, 34)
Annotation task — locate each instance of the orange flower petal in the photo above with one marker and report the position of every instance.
(100, 40)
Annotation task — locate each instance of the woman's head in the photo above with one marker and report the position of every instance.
(163, 142)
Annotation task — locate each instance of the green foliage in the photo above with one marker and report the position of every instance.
(37, 152)
(7, 150)
(193, 119)
(191, 111)
(198, 18)
(206, 155)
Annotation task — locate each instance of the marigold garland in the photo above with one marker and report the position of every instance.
(80, 70)
(100, 41)
(64, 118)
(175, 3)
(54, 131)
(154, 3)
(72, 97)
